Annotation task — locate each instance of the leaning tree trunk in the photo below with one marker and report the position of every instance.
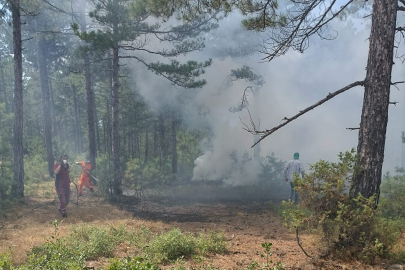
(46, 109)
(18, 184)
(374, 116)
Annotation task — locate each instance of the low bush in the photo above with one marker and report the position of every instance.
(170, 246)
(174, 244)
(89, 242)
(54, 254)
(349, 227)
(130, 264)
(5, 261)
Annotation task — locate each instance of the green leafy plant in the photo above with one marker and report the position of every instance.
(348, 227)
(128, 263)
(54, 254)
(5, 261)
(171, 245)
(392, 199)
(268, 264)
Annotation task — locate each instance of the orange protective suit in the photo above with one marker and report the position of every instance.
(85, 177)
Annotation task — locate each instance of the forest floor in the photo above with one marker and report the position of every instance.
(245, 225)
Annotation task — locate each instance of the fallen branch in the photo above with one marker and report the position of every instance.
(299, 243)
(288, 120)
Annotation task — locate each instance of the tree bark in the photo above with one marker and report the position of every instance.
(163, 152)
(146, 144)
(374, 116)
(174, 144)
(77, 129)
(115, 146)
(256, 137)
(46, 111)
(4, 87)
(18, 184)
(89, 97)
(155, 140)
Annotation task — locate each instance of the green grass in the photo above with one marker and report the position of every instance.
(86, 242)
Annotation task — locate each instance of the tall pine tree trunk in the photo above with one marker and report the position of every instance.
(46, 111)
(174, 144)
(4, 86)
(89, 97)
(77, 129)
(18, 184)
(161, 119)
(115, 142)
(256, 137)
(146, 144)
(155, 139)
(374, 116)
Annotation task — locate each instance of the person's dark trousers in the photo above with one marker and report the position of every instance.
(293, 193)
(64, 197)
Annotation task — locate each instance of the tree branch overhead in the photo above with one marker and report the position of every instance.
(268, 132)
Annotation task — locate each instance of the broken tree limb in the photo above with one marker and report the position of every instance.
(267, 132)
(299, 243)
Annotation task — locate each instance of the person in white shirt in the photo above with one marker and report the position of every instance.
(292, 167)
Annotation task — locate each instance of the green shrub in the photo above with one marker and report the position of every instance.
(54, 254)
(89, 242)
(268, 264)
(93, 242)
(272, 170)
(141, 175)
(36, 168)
(349, 227)
(174, 244)
(100, 242)
(392, 198)
(170, 246)
(130, 264)
(212, 243)
(5, 261)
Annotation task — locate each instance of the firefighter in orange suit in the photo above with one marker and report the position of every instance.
(85, 177)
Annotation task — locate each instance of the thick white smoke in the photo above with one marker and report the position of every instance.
(293, 82)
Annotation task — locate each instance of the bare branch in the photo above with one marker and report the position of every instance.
(243, 103)
(401, 8)
(297, 32)
(356, 128)
(60, 10)
(299, 243)
(393, 103)
(394, 83)
(288, 120)
(26, 39)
